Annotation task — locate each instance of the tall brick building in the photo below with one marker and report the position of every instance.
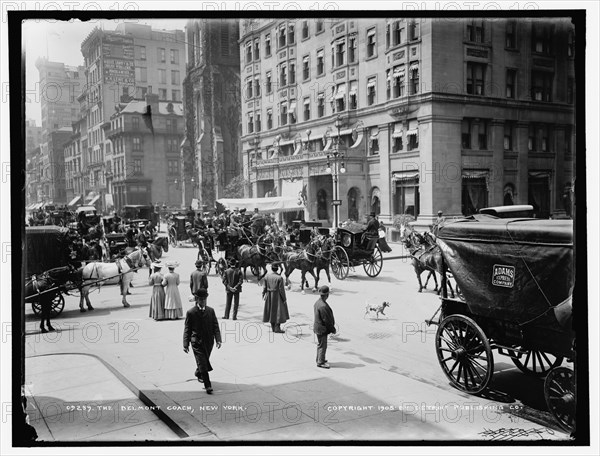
(433, 114)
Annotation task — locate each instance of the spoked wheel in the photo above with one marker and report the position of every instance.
(374, 264)
(561, 397)
(221, 266)
(537, 363)
(464, 353)
(340, 264)
(58, 304)
(173, 237)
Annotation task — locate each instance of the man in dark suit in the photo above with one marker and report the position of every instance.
(232, 279)
(276, 310)
(323, 326)
(198, 278)
(201, 330)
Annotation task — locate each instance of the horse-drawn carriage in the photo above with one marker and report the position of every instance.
(47, 254)
(516, 279)
(355, 247)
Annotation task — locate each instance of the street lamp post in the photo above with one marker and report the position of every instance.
(335, 166)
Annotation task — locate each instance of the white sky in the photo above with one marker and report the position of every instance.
(61, 42)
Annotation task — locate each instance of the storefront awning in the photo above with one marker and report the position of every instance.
(74, 201)
(398, 130)
(405, 175)
(94, 199)
(412, 132)
(272, 204)
(539, 174)
(475, 174)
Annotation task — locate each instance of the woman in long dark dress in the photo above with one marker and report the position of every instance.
(157, 300)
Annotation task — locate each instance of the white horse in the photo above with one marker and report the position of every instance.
(120, 271)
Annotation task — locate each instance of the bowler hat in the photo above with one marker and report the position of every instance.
(275, 267)
(372, 214)
(199, 263)
(324, 290)
(201, 293)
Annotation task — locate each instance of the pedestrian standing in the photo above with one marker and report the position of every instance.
(198, 278)
(157, 299)
(323, 326)
(173, 307)
(276, 310)
(232, 279)
(201, 331)
(382, 242)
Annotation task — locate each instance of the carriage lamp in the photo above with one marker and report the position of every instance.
(342, 168)
(328, 170)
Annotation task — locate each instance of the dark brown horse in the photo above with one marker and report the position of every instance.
(256, 256)
(304, 259)
(426, 256)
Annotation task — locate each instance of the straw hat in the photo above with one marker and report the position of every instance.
(172, 264)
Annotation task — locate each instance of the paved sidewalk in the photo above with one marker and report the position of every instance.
(77, 398)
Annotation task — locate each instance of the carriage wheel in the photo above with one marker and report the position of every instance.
(58, 304)
(374, 264)
(255, 271)
(464, 353)
(221, 266)
(340, 264)
(538, 363)
(173, 237)
(561, 397)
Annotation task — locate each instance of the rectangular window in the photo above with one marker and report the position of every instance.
(249, 86)
(292, 73)
(305, 32)
(352, 50)
(143, 74)
(397, 145)
(291, 34)
(353, 96)
(176, 95)
(281, 36)
(258, 122)
(292, 112)
(248, 52)
(175, 77)
(161, 55)
(531, 141)
(321, 104)
(371, 91)
(570, 90)
(305, 68)
(371, 43)
(340, 52)
(511, 79)
(508, 136)
(173, 167)
(135, 123)
(320, 62)
(542, 35)
(162, 94)
(398, 82)
(268, 45)
(172, 145)
(541, 85)
(250, 123)
(306, 108)
(162, 76)
(406, 197)
(396, 33)
(137, 144)
(269, 119)
(466, 133)
(174, 54)
(283, 75)
(142, 52)
(340, 98)
(475, 31)
(511, 35)
(414, 80)
(283, 118)
(475, 78)
(137, 165)
(482, 137)
(171, 125)
(268, 82)
(320, 25)
(413, 30)
(256, 49)
(474, 195)
(546, 135)
(257, 86)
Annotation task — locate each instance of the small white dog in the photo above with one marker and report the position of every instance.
(379, 310)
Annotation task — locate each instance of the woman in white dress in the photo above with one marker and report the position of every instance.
(173, 306)
(157, 299)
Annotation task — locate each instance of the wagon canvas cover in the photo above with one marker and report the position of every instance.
(511, 269)
(46, 247)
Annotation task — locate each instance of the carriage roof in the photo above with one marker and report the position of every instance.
(354, 228)
(46, 247)
(510, 269)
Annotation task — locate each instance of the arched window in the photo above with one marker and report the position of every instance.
(376, 200)
(353, 201)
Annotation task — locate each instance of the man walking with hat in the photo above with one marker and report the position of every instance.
(276, 310)
(323, 326)
(198, 278)
(201, 330)
(232, 279)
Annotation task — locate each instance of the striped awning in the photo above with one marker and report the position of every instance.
(405, 175)
(371, 83)
(413, 132)
(398, 130)
(94, 199)
(74, 200)
(475, 174)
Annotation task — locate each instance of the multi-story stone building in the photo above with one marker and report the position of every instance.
(33, 136)
(52, 170)
(122, 65)
(212, 146)
(430, 114)
(146, 165)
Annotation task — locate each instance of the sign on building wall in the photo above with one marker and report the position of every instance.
(118, 64)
